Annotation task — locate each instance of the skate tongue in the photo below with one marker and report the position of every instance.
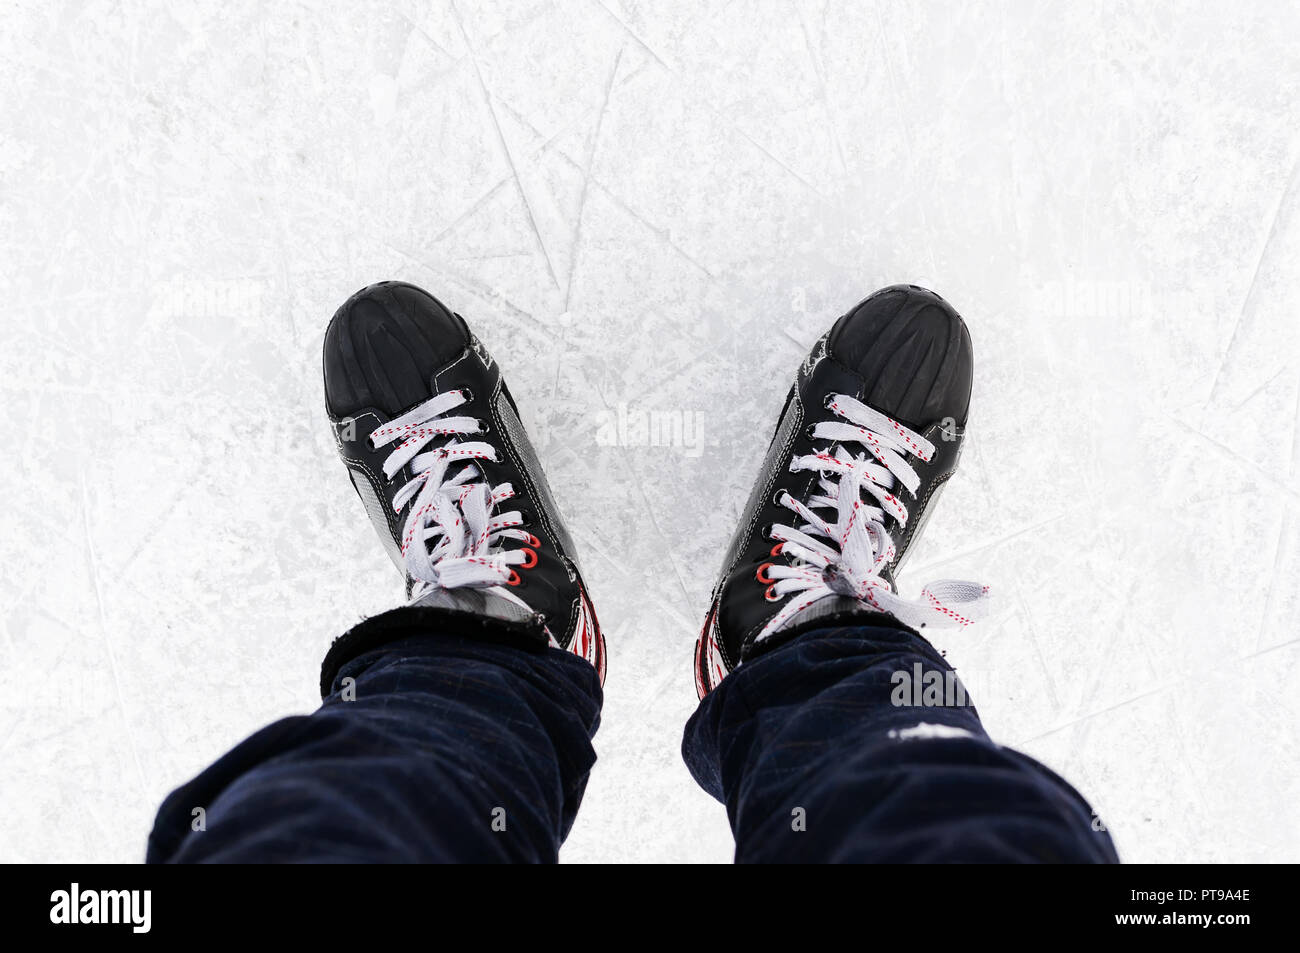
(474, 601)
(835, 605)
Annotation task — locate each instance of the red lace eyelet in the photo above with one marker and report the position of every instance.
(776, 550)
(769, 595)
(534, 542)
(762, 576)
(531, 559)
(514, 579)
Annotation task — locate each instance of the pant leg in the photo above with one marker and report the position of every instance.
(816, 763)
(454, 749)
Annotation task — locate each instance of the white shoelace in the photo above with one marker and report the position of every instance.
(853, 550)
(451, 538)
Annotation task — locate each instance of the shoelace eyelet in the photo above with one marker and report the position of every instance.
(534, 542)
(466, 393)
(531, 560)
(846, 563)
(515, 579)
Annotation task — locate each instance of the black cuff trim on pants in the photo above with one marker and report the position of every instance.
(406, 621)
(856, 618)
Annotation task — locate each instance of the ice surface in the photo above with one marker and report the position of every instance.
(653, 208)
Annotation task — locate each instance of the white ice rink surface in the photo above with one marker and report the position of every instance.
(653, 208)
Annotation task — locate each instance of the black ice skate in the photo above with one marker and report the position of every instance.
(871, 431)
(432, 441)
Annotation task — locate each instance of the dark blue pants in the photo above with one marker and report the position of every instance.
(455, 749)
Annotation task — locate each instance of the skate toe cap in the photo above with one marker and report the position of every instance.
(914, 352)
(384, 345)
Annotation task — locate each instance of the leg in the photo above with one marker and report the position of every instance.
(453, 750)
(812, 725)
(459, 726)
(797, 731)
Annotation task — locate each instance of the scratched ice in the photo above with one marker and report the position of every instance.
(653, 211)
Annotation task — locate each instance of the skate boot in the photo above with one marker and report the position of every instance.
(871, 431)
(432, 440)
